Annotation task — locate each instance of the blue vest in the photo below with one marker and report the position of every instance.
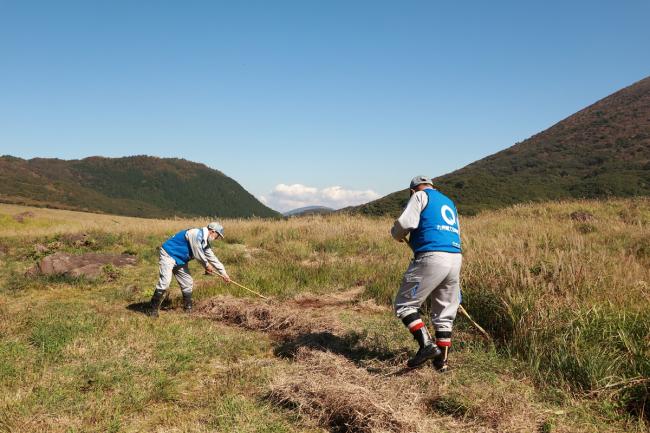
(438, 228)
(178, 248)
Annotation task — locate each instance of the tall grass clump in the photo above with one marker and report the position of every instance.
(571, 302)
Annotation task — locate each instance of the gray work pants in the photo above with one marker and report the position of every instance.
(435, 274)
(168, 267)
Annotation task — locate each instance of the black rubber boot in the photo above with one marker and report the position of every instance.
(156, 301)
(428, 349)
(187, 302)
(424, 354)
(440, 362)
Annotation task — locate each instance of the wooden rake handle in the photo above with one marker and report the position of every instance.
(464, 312)
(246, 288)
(238, 285)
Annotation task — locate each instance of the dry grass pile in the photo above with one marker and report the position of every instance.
(334, 393)
(249, 315)
(326, 366)
(503, 405)
(304, 314)
(279, 318)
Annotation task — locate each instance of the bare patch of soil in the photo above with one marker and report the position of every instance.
(89, 265)
(345, 299)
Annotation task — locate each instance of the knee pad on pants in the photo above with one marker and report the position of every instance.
(402, 312)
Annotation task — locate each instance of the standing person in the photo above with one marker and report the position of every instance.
(432, 221)
(175, 254)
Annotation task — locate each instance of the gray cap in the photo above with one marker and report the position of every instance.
(419, 180)
(215, 226)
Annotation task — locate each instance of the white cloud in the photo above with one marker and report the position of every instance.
(287, 197)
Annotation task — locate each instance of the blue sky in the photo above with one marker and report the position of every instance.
(307, 102)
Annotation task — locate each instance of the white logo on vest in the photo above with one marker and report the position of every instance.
(448, 215)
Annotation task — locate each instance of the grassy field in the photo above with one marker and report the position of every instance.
(563, 287)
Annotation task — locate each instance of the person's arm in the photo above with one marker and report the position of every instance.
(215, 265)
(204, 255)
(410, 218)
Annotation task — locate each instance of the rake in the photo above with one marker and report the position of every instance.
(242, 286)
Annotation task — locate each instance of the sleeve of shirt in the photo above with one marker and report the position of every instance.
(195, 238)
(214, 261)
(410, 218)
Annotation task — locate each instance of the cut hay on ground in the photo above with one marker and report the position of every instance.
(306, 313)
(274, 317)
(342, 381)
(336, 394)
(247, 314)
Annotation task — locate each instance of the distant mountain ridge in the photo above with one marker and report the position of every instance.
(601, 151)
(309, 210)
(142, 186)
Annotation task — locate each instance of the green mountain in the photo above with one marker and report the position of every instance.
(601, 151)
(142, 186)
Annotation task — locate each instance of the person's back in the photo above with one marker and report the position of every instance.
(178, 248)
(438, 227)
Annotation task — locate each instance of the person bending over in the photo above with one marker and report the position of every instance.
(175, 255)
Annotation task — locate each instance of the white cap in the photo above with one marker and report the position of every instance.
(216, 227)
(419, 180)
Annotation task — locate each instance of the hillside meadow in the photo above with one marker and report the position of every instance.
(563, 288)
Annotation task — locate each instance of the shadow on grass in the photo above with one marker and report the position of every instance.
(139, 307)
(353, 345)
(143, 307)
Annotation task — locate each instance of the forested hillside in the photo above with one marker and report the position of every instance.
(135, 186)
